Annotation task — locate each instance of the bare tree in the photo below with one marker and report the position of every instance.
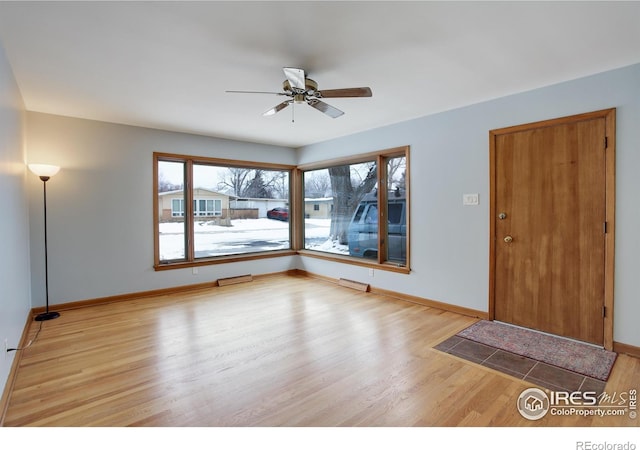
(317, 184)
(254, 183)
(279, 184)
(165, 185)
(396, 172)
(256, 188)
(233, 180)
(402, 182)
(348, 187)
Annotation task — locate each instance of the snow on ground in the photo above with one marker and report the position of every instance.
(244, 236)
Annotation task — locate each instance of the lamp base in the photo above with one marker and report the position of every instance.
(47, 316)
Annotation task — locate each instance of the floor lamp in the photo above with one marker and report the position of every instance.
(45, 171)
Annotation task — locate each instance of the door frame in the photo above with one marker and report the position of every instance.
(609, 147)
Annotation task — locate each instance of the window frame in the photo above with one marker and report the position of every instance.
(188, 213)
(381, 158)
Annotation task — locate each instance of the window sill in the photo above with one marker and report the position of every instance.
(223, 260)
(391, 267)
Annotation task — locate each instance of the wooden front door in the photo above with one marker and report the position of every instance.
(549, 226)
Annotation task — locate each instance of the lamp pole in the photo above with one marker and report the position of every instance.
(45, 172)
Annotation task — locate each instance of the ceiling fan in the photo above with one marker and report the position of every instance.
(301, 89)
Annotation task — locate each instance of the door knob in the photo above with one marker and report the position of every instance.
(508, 239)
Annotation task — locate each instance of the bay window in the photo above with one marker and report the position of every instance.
(355, 227)
(198, 219)
(354, 210)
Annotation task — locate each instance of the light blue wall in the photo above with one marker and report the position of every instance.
(100, 217)
(450, 157)
(100, 207)
(15, 294)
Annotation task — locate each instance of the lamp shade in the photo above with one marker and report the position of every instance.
(44, 170)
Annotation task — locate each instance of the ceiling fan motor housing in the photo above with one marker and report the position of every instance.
(299, 95)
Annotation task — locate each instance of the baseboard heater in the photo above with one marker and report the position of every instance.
(235, 280)
(364, 287)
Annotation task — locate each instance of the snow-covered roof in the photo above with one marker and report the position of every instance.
(179, 191)
(319, 200)
(252, 199)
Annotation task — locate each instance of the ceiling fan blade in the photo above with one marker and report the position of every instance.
(277, 108)
(255, 92)
(295, 76)
(348, 92)
(325, 108)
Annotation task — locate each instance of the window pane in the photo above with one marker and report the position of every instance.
(177, 207)
(234, 205)
(396, 210)
(342, 193)
(171, 224)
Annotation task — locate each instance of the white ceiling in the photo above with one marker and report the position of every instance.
(167, 64)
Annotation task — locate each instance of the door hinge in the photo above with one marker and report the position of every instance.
(604, 311)
(606, 142)
(604, 228)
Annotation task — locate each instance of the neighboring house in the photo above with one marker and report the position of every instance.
(262, 205)
(318, 208)
(206, 203)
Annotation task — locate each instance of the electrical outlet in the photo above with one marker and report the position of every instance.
(371, 272)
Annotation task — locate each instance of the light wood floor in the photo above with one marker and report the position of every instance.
(279, 351)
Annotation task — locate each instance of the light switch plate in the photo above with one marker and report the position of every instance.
(470, 199)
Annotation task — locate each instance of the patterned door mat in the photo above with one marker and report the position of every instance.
(549, 361)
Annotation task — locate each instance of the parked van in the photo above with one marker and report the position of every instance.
(363, 228)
